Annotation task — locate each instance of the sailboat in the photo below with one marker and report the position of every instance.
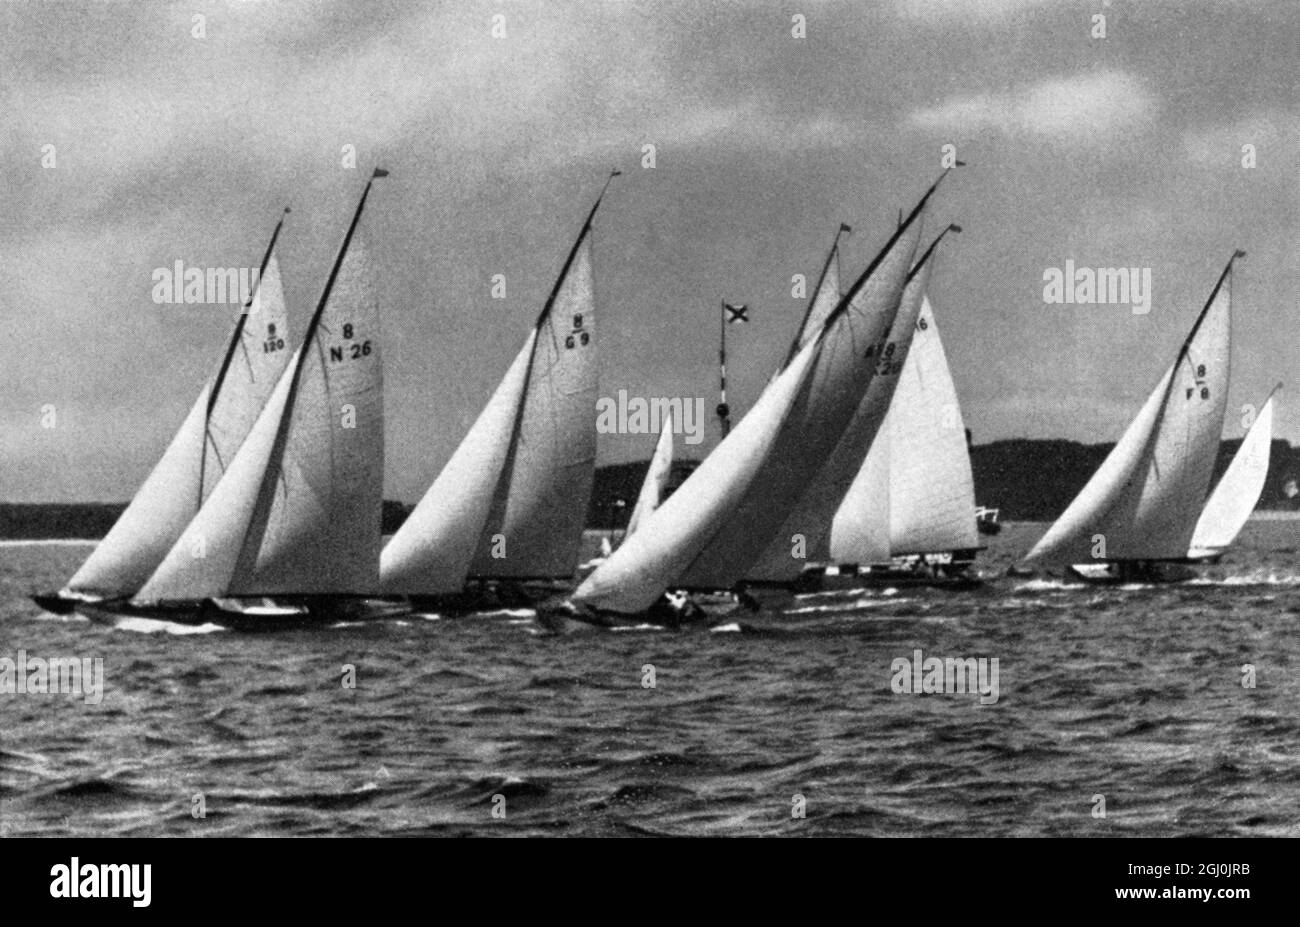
(502, 523)
(909, 516)
(1135, 520)
(199, 453)
(648, 498)
(1238, 490)
(291, 533)
(708, 535)
(806, 533)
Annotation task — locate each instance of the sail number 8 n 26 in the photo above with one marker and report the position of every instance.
(354, 350)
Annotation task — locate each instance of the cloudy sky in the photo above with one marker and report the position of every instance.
(1122, 151)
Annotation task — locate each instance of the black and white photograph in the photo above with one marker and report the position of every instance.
(650, 418)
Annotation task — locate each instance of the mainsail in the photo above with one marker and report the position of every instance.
(201, 449)
(298, 510)
(825, 297)
(512, 501)
(1144, 501)
(916, 493)
(805, 533)
(656, 477)
(710, 531)
(1232, 501)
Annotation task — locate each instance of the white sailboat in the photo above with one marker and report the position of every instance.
(912, 505)
(1238, 490)
(290, 534)
(198, 455)
(506, 514)
(1141, 508)
(709, 533)
(805, 535)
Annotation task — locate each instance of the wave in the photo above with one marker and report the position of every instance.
(1248, 579)
(845, 606)
(1044, 585)
(140, 625)
(50, 542)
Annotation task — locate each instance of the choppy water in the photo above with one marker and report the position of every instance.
(1133, 693)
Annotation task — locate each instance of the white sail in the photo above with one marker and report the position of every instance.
(298, 509)
(251, 374)
(656, 477)
(512, 501)
(710, 531)
(535, 526)
(1144, 501)
(635, 574)
(822, 492)
(200, 451)
(845, 367)
(1232, 501)
(317, 526)
(860, 528)
(918, 472)
(202, 562)
(432, 550)
(824, 300)
(931, 484)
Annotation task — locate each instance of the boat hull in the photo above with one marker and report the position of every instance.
(285, 613)
(58, 603)
(1146, 572)
(488, 596)
(675, 612)
(951, 572)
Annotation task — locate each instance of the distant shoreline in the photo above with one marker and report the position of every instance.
(1026, 480)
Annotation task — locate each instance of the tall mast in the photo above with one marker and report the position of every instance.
(267, 489)
(858, 284)
(832, 255)
(573, 252)
(723, 410)
(1196, 326)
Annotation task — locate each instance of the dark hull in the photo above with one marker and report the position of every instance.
(1146, 572)
(293, 612)
(699, 611)
(490, 596)
(909, 573)
(888, 579)
(56, 604)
